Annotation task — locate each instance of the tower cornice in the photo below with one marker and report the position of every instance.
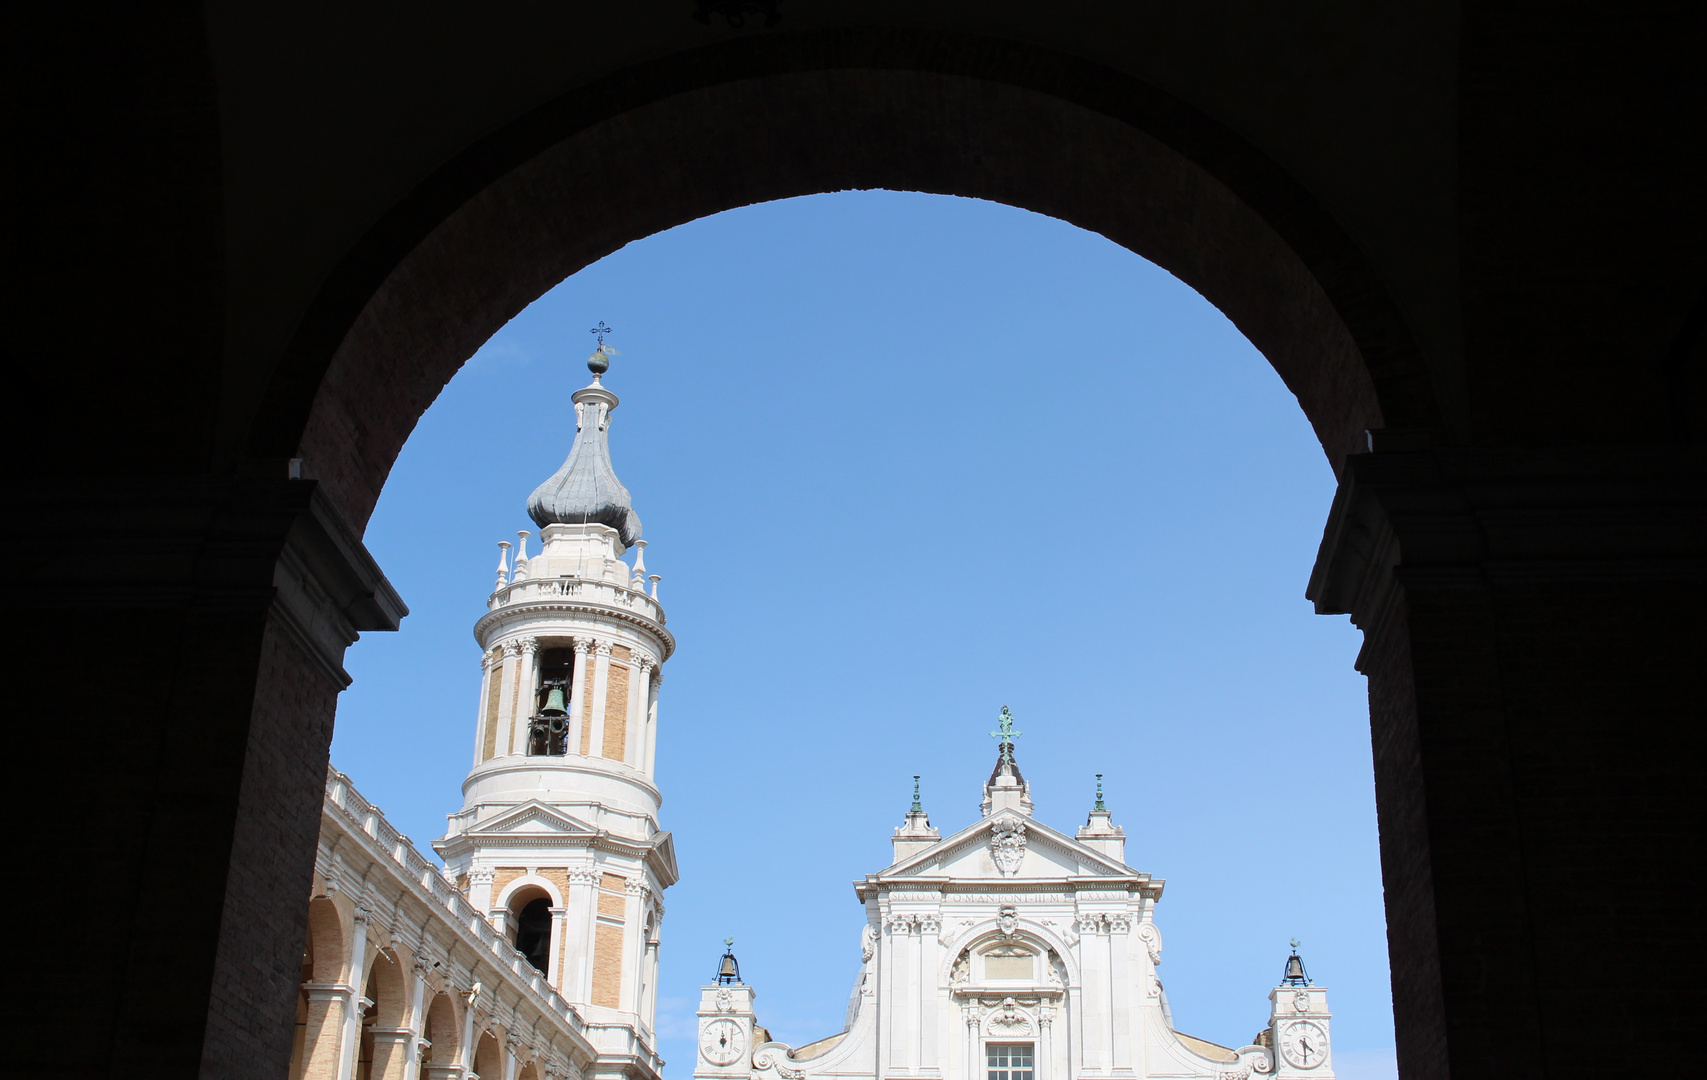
(493, 622)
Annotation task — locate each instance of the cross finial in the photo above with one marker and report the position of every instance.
(1006, 733)
(599, 362)
(1099, 808)
(918, 807)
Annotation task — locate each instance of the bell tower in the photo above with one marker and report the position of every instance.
(558, 838)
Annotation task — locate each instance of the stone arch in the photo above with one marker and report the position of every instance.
(530, 1071)
(328, 947)
(443, 1029)
(790, 114)
(388, 989)
(523, 890)
(987, 933)
(488, 1057)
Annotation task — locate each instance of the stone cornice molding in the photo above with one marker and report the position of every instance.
(1473, 516)
(490, 624)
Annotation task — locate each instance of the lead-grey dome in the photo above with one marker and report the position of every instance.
(586, 490)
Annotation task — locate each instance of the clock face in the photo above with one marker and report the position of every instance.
(1304, 1044)
(722, 1042)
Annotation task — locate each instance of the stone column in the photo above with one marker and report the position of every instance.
(601, 683)
(578, 692)
(1093, 962)
(974, 1069)
(487, 674)
(1045, 1042)
(649, 997)
(355, 978)
(1120, 980)
(512, 737)
(465, 1054)
(639, 689)
(578, 932)
(554, 964)
(512, 1055)
(421, 968)
(899, 1005)
(925, 1038)
(655, 683)
(633, 943)
(480, 887)
(510, 671)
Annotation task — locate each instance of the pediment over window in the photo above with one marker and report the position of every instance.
(532, 818)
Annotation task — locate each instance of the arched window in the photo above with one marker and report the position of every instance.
(548, 728)
(533, 933)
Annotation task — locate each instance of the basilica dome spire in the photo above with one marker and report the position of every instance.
(585, 490)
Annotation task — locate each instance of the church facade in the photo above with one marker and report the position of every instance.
(533, 953)
(1010, 950)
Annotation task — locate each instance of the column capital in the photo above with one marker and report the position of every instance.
(512, 648)
(602, 646)
(530, 645)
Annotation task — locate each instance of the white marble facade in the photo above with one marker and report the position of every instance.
(1010, 951)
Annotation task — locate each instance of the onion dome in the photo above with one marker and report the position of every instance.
(585, 490)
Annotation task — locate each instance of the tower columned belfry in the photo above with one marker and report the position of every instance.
(558, 838)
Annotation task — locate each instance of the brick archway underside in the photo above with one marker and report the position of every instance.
(779, 117)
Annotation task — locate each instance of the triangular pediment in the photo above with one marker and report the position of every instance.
(1046, 853)
(532, 818)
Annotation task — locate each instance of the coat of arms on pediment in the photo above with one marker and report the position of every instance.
(1006, 839)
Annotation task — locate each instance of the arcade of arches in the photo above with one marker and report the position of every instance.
(262, 239)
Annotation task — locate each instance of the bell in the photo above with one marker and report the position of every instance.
(1294, 967)
(728, 971)
(554, 703)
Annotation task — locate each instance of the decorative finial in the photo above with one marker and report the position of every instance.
(728, 943)
(1099, 808)
(918, 807)
(599, 362)
(1006, 733)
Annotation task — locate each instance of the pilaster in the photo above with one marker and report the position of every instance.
(601, 685)
(583, 647)
(512, 737)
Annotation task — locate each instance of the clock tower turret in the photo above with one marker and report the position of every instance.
(1298, 1024)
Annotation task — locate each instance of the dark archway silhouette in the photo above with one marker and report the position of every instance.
(1521, 539)
(496, 228)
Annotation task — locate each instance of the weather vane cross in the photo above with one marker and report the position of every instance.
(601, 330)
(1005, 732)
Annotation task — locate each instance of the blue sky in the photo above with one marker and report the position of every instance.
(904, 459)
